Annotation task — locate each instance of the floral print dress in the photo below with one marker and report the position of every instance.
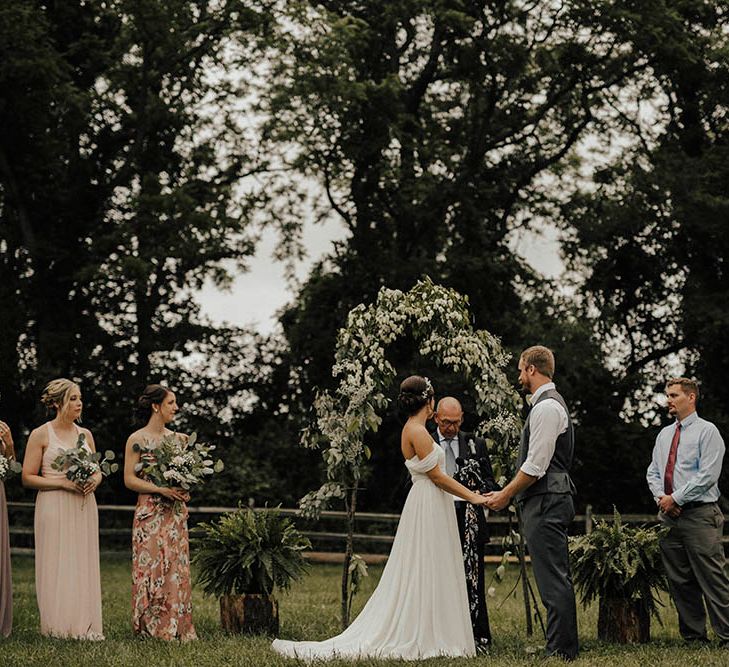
(161, 587)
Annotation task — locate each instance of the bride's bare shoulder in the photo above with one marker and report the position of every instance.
(414, 428)
(419, 431)
(415, 438)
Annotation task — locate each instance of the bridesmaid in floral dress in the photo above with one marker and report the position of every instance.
(161, 588)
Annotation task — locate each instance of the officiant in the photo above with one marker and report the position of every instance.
(461, 449)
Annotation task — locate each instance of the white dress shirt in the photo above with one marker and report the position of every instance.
(547, 421)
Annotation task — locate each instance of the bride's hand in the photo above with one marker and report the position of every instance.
(478, 499)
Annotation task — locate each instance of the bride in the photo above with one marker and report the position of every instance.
(420, 607)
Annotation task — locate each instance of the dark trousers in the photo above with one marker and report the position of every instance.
(479, 617)
(693, 556)
(545, 520)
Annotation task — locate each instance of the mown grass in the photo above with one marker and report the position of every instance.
(309, 611)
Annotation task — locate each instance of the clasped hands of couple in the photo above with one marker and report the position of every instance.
(494, 500)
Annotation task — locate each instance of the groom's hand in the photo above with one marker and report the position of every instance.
(497, 500)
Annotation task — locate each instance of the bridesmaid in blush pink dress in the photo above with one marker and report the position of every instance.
(67, 577)
(161, 588)
(6, 582)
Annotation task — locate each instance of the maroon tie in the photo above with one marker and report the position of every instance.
(671, 463)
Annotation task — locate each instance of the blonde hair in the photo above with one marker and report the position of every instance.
(688, 386)
(57, 395)
(542, 358)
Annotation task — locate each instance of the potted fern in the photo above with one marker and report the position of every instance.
(243, 558)
(621, 567)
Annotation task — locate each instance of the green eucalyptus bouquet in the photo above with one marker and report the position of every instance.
(176, 461)
(81, 464)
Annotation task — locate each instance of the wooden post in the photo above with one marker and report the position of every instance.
(523, 571)
(588, 519)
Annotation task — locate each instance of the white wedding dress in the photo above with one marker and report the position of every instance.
(420, 607)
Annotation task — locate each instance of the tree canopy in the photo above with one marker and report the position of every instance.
(145, 146)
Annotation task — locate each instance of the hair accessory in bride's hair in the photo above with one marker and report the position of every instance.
(428, 391)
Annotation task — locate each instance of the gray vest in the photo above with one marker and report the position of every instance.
(557, 478)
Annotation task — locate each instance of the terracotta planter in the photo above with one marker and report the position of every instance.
(249, 613)
(623, 622)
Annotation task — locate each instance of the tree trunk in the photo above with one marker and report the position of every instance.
(249, 613)
(623, 622)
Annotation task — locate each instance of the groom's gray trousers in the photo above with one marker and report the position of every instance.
(545, 521)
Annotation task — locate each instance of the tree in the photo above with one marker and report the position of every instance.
(436, 131)
(121, 191)
(648, 236)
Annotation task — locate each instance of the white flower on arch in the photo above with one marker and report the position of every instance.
(441, 325)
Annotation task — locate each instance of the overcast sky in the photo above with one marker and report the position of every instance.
(258, 294)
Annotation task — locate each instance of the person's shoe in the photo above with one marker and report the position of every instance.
(559, 654)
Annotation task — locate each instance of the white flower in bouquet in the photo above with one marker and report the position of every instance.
(174, 461)
(8, 468)
(81, 464)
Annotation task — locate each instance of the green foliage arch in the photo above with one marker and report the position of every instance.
(440, 321)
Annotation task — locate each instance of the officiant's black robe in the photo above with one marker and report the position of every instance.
(473, 447)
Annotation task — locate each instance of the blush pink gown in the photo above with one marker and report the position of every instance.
(67, 576)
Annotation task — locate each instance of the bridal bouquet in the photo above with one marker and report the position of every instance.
(174, 461)
(80, 463)
(8, 468)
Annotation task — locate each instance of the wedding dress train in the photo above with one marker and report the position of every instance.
(420, 606)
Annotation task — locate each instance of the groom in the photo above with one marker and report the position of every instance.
(459, 447)
(543, 491)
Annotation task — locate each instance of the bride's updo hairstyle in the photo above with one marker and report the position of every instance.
(415, 392)
(153, 394)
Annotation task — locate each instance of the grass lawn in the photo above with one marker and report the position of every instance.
(309, 611)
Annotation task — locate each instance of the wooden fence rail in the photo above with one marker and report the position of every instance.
(320, 533)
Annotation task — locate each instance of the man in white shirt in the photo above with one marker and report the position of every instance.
(543, 491)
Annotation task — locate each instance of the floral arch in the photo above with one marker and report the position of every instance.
(440, 322)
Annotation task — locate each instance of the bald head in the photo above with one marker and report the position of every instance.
(449, 416)
(449, 404)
